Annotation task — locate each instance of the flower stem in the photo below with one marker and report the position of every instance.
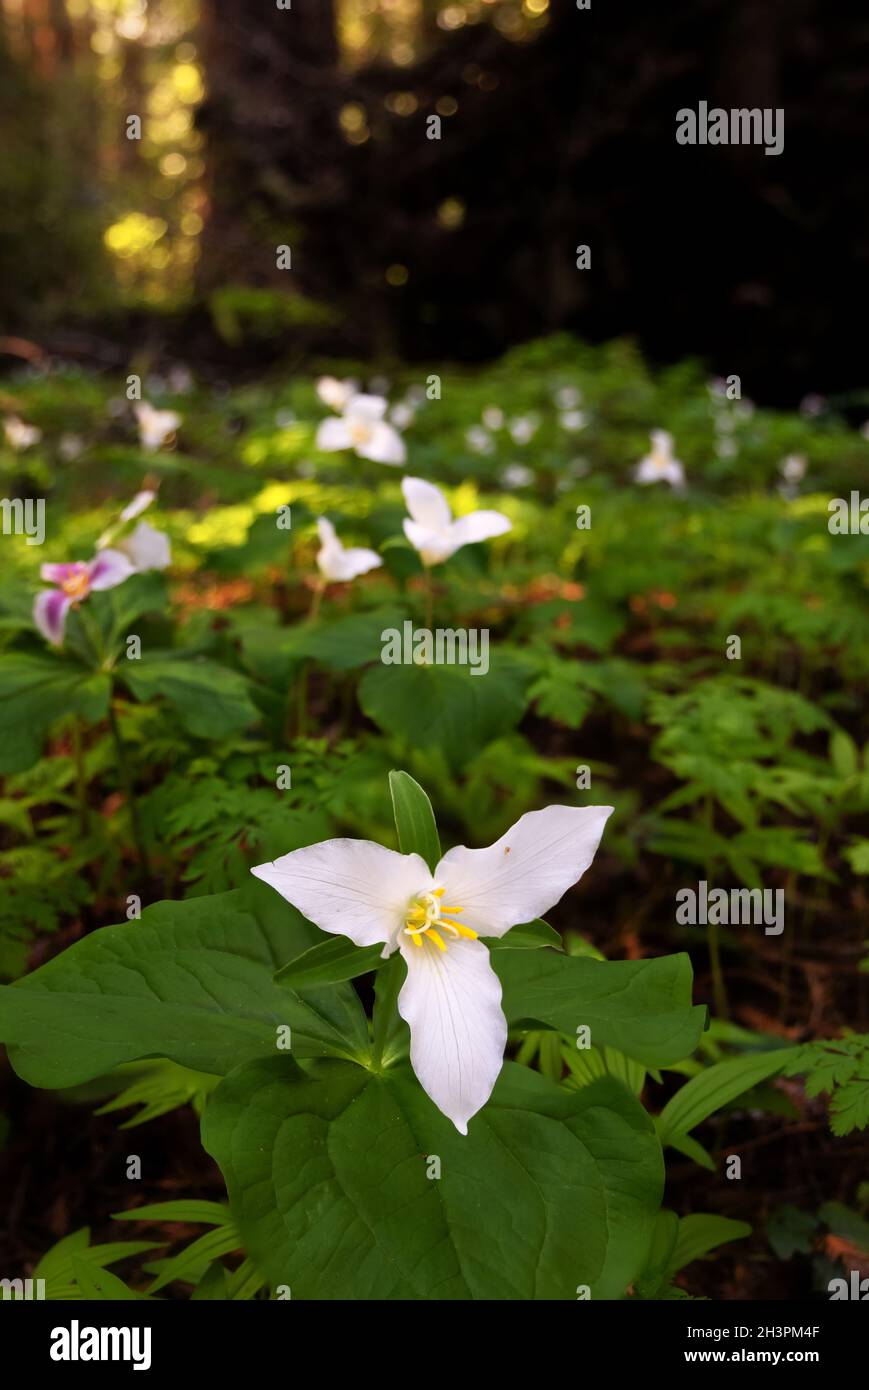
(429, 600)
(384, 1008)
(127, 782)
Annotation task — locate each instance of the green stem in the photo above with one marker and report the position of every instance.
(384, 1011)
(127, 782)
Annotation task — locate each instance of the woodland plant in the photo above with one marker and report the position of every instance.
(412, 1084)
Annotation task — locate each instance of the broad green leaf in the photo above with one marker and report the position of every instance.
(528, 937)
(414, 819)
(641, 1007)
(328, 1179)
(212, 701)
(717, 1086)
(347, 642)
(445, 707)
(329, 963)
(191, 981)
(35, 692)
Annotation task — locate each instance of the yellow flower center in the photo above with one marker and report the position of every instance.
(77, 586)
(427, 916)
(360, 432)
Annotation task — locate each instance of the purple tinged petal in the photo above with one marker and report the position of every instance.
(49, 614)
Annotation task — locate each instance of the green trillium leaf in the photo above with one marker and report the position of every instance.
(350, 1185)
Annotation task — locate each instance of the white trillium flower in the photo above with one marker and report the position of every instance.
(334, 393)
(493, 417)
(433, 532)
(338, 563)
(523, 429)
(660, 466)
(568, 397)
(402, 415)
(363, 428)
(18, 435)
(479, 439)
(573, 420)
(451, 998)
(70, 446)
(793, 468)
(517, 475)
(155, 426)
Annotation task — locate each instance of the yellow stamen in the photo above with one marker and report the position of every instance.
(425, 915)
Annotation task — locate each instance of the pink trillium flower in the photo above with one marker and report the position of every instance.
(73, 583)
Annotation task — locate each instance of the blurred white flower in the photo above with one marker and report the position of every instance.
(493, 417)
(334, 393)
(517, 475)
(402, 415)
(793, 468)
(523, 429)
(18, 435)
(573, 420)
(813, 404)
(362, 427)
(479, 440)
(180, 379)
(568, 397)
(285, 418)
(155, 426)
(337, 563)
(660, 466)
(433, 532)
(726, 448)
(70, 446)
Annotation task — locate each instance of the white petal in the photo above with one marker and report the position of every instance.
(326, 531)
(433, 546)
(426, 504)
(355, 561)
(646, 470)
(674, 473)
(335, 393)
(368, 408)
(478, 526)
(146, 548)
(522, 875)
(333, 434)
(109, 569)
(354, 888)
(384, 446)
(140, 502)
(451, 1001)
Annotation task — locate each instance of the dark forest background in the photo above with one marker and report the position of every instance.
(308, 128)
